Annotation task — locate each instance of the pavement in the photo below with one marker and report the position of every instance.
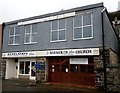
(27, 85)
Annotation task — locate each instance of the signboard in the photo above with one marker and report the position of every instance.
(19, 54)
(64, 52)
(78, 60)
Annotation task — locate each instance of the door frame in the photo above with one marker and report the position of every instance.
(32, 77)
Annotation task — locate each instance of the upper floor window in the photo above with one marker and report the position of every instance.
(82, 26)
(30, 34)
(58, 30)
(13, 35)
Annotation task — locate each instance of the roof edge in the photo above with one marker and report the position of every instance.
(86, 7)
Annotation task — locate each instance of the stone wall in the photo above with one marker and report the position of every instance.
(99, 72)
(3, 68)
(113, 77)
(112, 70)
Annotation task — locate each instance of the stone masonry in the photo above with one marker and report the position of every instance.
(112, 71)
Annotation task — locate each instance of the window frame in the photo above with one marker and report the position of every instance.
(83, 26)
(24, 69)
(57, 30)
(31, 33)
(14, 35)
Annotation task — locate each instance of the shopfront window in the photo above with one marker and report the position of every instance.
(83, 68)
(24, 67)
(74, 68)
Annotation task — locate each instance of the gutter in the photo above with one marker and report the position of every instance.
(103, 51)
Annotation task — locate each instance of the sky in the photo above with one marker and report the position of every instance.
(11, 10)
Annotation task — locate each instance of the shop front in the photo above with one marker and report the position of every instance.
(75, 70)
(61, 66)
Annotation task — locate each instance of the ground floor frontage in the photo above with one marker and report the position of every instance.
(68, 66)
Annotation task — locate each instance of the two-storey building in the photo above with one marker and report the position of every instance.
(72, 46)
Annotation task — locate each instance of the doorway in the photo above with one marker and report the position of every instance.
(33, 71)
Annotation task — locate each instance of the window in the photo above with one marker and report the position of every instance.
(54, 68)
(83, 68)
(30, 34)
(82, 26)
(58, 29)
(14, 36)
(65, 68)
(91, 69)
(74, 68)
(24, 67)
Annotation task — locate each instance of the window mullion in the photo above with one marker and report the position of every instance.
(24, 67)
(58, 28)
(14, 36)
(30, 33)
(82, 26)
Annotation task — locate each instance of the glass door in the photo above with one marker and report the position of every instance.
(33, 70)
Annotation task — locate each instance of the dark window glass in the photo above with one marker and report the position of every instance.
(62, 35)
(74, 68)
(77, 33)
(57, 68)
(54, 35)
(27, 69)
(87, 19)
(22, 67)
(62, 24)
(83, 68)
(91, 69)
(87, 32)
(55, 25)
(78, 21)
(64, 68)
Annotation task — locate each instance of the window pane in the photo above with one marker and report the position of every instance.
(91, 69)
(11, 39)
(27, 67)
(77, 21)
(27, 29)
(16, 39)
(54, 35)
(17, 30)
(34, 28)
(11, 31)
(83, 68)
(55, 25)
(22, 67)
(62, 35)
(62, 24)
(33, 37)
(77, 33)
(74, 68)
(64, 68)
(27, 38)
(87, 32)
(57, 68)
(87, 19)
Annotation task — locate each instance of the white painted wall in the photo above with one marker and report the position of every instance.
(10, 69)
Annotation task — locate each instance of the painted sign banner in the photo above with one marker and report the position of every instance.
(62, 52)
(19, 54)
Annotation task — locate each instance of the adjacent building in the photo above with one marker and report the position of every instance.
(71, 46)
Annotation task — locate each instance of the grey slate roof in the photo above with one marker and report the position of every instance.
(58, 13)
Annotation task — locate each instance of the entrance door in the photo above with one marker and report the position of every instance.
(33, 70)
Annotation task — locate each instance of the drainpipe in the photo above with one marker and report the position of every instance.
(103, 51)
(2, 36)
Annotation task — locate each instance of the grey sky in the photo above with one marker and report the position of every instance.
(18, 9)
